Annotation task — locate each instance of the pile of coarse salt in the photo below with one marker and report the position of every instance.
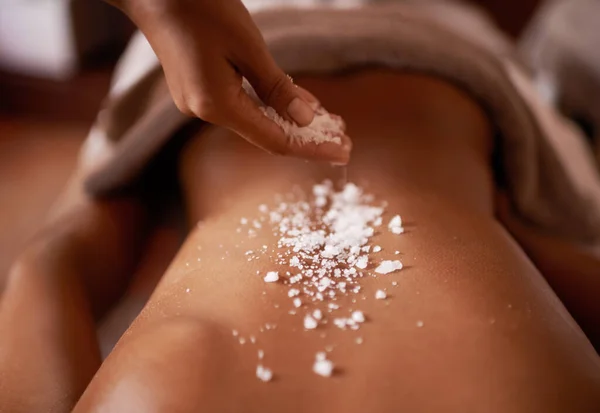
(324, 242)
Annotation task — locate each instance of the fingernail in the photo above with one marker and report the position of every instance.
(300, 112)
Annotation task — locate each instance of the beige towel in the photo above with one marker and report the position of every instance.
(562, 45)
(548, 169)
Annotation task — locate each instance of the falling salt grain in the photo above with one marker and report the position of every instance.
(242, 340)
(263, 373)
(420, 324)
(261, 354)
(272, 276)
(187, 290)
(234, 332)
(387, 267)
(380, 295)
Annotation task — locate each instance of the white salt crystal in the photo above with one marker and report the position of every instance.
(309, 322)
(358, 316)
(321, 356)
(242, 340)
(376, 248)
(317, 314)
(261, 354)
(297, 302)
(252, 339)
(243, 221)
(271, 277)
(234, 332)
(387, 267)
(323, 367)
(263, 208)
(420, 324)
(380, 295)
(359, 340)
(263, 373)
(362, 262)
(396, 221)
(293, 292)
(397, 252)
(397, 230)
(323, 128)
(394, 283)
(340, 322)
(187, 290)
(333, 306)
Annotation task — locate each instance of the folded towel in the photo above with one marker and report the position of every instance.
(562, 46)
(548, 169)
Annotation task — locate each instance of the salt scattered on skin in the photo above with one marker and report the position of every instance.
(358, 316)
(271, 277)
(324, 248)
(380, 295)
(242, 340)
(309, 322)
(420, 324)
(263, 373)
(362, 262)
(396, 221)
(322, 366)
(234, 332)
(387, 267)
(261, 354)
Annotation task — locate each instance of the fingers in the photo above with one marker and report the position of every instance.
(275, 88)
(248, 121)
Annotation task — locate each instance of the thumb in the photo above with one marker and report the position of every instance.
(277, 90)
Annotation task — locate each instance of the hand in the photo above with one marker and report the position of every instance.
(206, 48)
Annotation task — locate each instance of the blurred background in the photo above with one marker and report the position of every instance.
(56, 59)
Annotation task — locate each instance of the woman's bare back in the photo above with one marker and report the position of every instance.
(468, 324)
